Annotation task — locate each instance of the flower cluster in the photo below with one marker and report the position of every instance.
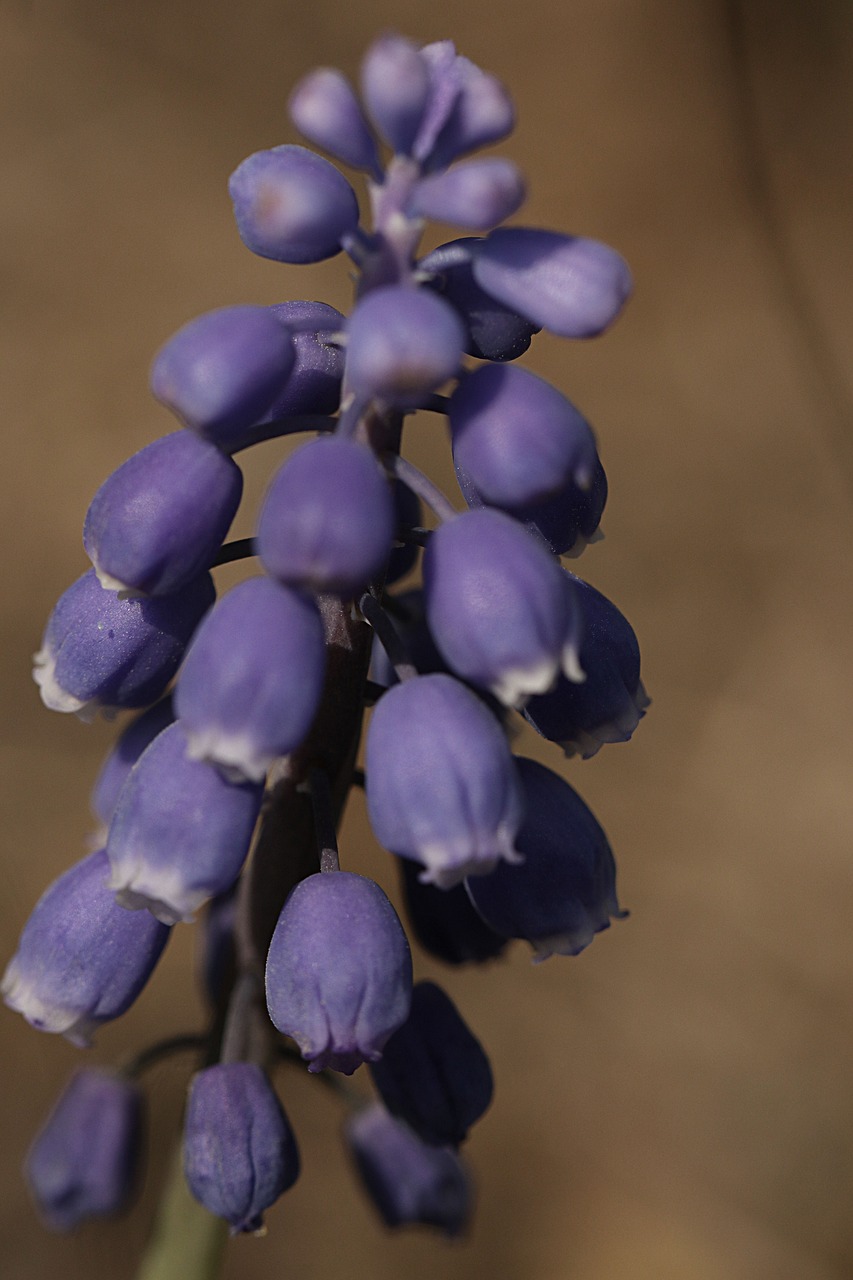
(273, 677)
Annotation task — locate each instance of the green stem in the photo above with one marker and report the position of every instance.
(187, 1243)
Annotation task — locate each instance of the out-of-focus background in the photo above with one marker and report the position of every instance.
(675, 1104)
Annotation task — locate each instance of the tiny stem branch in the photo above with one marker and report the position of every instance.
(389, 637)
(239, 549)
(420, 485)
(141, 1062)
(324, 821)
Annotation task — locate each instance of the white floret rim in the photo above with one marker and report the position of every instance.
(235, 755)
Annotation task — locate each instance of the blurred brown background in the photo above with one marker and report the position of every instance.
(676, 1103)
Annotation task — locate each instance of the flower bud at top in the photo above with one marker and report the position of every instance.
(444, 922)
(610, 703)
(180, 833)
(477, 195)
(147, 530)
(252, 678)
(408, 1181)
(82, 960)
(100, 651)
(494, 331)
(326, 111)
(516, 437)
(482, 113)
(433, 1073)
(339, 971)
(403, 343)
(223, 369)
(292, 205)
(240, 1154)
(564, 891)
(499, 607)
(83, 1161)
(395, 84)
(328, 519)
(441, 783)
(138, 735)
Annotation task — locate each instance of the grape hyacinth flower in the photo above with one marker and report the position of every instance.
(267, 714)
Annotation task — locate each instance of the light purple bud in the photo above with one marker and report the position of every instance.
(610, 703)
(499, 607)
(516, 437)
(314, 385)
(252, 678)
(571, 286)
(395, 84)
(408, 1181)
(434, 1073)
(325, 110)
(444, 88)
(441, 783)
(83, 1162)
(483, 113)
(147, 529)
(403, 344)
(180, 833)
(328, 519)
(223, 370)
(100, 651)
(292, 205)
(339, 971)
(564, 891)
(138, 735)
(82, 960)
(240, 1153)
(477, 195)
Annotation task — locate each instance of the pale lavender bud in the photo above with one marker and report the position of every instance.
(564, 891)
(482, 113)
(441, 783)
(444, 89)
(292, 205)
(339, 971)
(83, 1162)
(408, 1181)
(240, 1153)
(82, 960)
(252, 678)
(477, 195)
(328, 519)
(159, 520)
(326, 111)
(138, 735)
(395, 84)
(102, 652)
(223, 370)
(517, 438)
(433, 1072)
(499, 607)
(571, 286)
(180, 833)
(403, 343)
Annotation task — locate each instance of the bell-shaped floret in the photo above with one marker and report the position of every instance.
(403, 343)
(409, 1182)
(499, 607)
(482, 111)
(159, 520)
(610, 703)
(252, 678)
(223, 370)
(325, 110)
(441, 783)
(314, 385)
(82, 960)
(328, 521)
(517, 438)
(240, 1153)
(494, 332)
(292, 205)
(395, 85)
(433, 1072)
(564, 892)
(571, 286)
(83, 1161)
(444, 922)
(138, 735)
(477, 195)
(339, 971)
(180, 833)
(102, 652)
